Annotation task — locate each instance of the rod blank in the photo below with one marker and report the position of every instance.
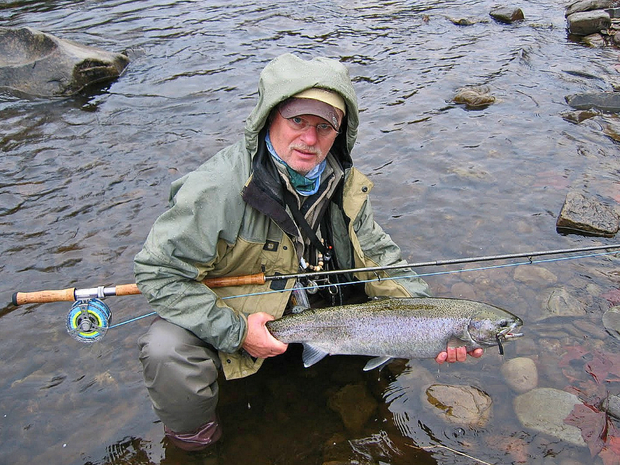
(73, 294)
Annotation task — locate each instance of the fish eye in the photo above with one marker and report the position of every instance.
(503, 323)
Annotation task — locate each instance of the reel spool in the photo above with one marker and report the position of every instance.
(88, 320)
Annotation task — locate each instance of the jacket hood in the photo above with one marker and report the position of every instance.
(288, 75)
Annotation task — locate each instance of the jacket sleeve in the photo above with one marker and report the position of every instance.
(379, 249)
(181, 249)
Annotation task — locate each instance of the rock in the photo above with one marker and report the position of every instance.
(462, 21)
(507, 15)
(588, 5)
(517, 448)
(461, 405)
(561, 303)
(594, 40)
(612, 129)
(533, 274)
(611, 321)
(604, 101)
(588, 22)
(579, 116)
(474, 97)
(463, 291)
(38, 64)
(611, 405)
(586, 216)
(355, 406)
(521, 374)
(544, 410)
(585, 329)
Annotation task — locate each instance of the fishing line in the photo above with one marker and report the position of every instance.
(316, 286)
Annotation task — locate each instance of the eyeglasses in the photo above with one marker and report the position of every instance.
(297, 123)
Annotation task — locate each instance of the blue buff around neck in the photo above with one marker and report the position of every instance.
(303, 185)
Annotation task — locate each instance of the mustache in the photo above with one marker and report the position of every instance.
(307, 148)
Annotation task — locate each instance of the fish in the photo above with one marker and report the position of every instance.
(396, 328)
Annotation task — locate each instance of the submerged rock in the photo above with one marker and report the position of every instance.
(560, 302)
(604, 101)
(474, 97)
(461, 405)
(464, 21)
(39, 64)
(579, 116)
(534, 275)
(582, 215)
(544, 410)
(611, 321)
(611, 405)
(355, 406)
(521, 374)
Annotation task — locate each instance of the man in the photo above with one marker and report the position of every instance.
(284, 198)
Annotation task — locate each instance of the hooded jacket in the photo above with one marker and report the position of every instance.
(228, 218)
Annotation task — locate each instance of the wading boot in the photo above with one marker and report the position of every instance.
(203, 437)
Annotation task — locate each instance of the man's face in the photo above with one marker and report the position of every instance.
(302, 142)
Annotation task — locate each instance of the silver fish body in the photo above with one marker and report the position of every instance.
(396, 328)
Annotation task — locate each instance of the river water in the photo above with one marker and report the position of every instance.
(83, 179)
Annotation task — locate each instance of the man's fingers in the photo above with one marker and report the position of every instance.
(457, 354)
(476, 353)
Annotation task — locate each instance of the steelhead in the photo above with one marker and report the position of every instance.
(396, 328)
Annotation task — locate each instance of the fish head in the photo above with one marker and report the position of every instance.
(493, 326)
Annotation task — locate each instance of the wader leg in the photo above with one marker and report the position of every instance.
(180, 373)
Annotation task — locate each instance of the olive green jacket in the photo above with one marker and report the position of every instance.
(227, 218)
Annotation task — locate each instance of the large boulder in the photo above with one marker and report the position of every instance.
(588, 22)
(588, 5)
(39, 64)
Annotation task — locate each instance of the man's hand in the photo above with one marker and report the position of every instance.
(259, 342)
(457, 354)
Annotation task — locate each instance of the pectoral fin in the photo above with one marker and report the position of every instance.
(377, 362)
(312, 355)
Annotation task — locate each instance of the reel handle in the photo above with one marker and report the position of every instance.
(72, 294)
(39, 297)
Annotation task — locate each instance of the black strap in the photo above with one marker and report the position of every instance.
(291, 201)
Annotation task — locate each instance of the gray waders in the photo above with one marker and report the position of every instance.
(180, 373)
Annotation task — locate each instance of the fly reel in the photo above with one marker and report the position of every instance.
(88, 320)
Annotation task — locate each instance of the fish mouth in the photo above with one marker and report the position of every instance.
(505, 335)
(508, 334)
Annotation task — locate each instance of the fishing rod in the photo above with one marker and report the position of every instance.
(89, 317)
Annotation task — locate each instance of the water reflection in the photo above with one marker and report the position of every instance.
(82, 180)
